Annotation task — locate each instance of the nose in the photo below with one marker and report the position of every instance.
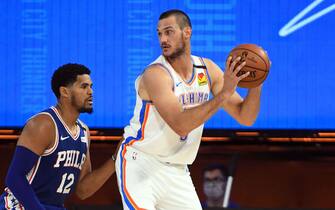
(90, 91)
(163, 39)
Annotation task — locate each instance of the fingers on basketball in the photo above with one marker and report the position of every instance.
(257, 63)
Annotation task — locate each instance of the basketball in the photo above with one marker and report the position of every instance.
(257, 63)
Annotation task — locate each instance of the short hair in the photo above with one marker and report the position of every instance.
(67, 75)
(182, 18)
(215, 166)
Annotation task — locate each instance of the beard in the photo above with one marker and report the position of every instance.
(81, 109)
(88, 110)
(180, 50)
(177, 53)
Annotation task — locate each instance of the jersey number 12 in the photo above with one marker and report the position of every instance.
(66, 178)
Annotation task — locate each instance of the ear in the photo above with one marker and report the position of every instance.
(64, 92)
(187, 32)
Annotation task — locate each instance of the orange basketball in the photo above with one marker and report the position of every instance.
(257, 63)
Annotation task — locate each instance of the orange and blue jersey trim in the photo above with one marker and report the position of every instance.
(129, 141)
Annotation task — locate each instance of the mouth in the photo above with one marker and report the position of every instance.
(90, 101)
(165, 47)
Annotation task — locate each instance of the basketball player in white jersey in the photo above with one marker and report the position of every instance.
(172, 105)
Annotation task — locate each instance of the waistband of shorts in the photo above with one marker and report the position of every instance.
(176, 165)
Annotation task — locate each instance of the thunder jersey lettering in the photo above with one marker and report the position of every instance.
(149, 133)
(56, 172)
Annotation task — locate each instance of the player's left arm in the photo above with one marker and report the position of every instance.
(246, 110)
(91, 181)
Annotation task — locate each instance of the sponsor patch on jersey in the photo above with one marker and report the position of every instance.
(202, 79)
(84, 138)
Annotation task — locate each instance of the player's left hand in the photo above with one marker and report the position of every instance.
(231, 75)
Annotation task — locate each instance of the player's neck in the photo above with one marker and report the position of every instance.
(68, 114)
(183, 65)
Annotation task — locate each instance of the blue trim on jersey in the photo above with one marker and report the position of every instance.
(193, 73)
(129, 139)
(209, 77)
(141, 119)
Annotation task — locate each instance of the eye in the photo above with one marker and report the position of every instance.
(86, 85)
(168, 32)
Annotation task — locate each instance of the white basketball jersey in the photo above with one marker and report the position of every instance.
(149, 133)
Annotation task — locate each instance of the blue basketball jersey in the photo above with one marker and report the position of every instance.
(57, 171)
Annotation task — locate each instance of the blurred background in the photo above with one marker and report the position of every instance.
(286, 157)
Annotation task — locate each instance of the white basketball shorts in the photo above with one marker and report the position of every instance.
(146, 183)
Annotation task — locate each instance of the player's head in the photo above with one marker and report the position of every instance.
(215, 177)
(72, 82)
(174, 32)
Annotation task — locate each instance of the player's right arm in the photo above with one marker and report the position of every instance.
(157, 85)
(37, 136)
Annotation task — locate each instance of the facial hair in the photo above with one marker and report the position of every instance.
(178, 51)
(86, 110)
(81, 109)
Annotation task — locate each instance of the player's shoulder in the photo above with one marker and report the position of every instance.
(41, 121)
(38, 133)
(154, 78)
(156, 67)
(156, 71)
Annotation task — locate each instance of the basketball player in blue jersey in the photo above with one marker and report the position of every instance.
(52, 156)
(172, 105)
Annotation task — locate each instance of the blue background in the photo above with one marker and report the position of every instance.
(117, 39)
